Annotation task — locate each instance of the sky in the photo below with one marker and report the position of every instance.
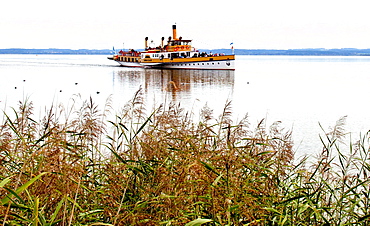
(262, 24)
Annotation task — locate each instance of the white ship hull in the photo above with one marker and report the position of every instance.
(151, 64)
(129, 64)
(208, 65)
(203, 65)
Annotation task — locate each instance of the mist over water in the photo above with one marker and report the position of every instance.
(299, 91)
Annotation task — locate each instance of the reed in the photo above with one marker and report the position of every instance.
(80, 166)
(334, 190)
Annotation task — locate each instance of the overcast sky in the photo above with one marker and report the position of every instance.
(266, 24)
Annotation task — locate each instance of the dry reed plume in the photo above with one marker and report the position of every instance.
(76, 167)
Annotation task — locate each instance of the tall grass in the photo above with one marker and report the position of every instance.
(77, 166)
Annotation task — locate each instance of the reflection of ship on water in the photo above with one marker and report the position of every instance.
(172, 86)
(181, 84)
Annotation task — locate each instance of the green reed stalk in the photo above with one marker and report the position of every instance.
(166, 168)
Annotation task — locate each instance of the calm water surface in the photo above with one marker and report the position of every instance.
(299, 91)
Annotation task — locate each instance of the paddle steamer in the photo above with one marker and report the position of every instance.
(177, 53)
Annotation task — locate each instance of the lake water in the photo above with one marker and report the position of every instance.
(299, 91)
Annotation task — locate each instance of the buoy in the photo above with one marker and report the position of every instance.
(97, 92)
(76, 83)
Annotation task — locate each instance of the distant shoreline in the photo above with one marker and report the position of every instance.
(258, 52)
